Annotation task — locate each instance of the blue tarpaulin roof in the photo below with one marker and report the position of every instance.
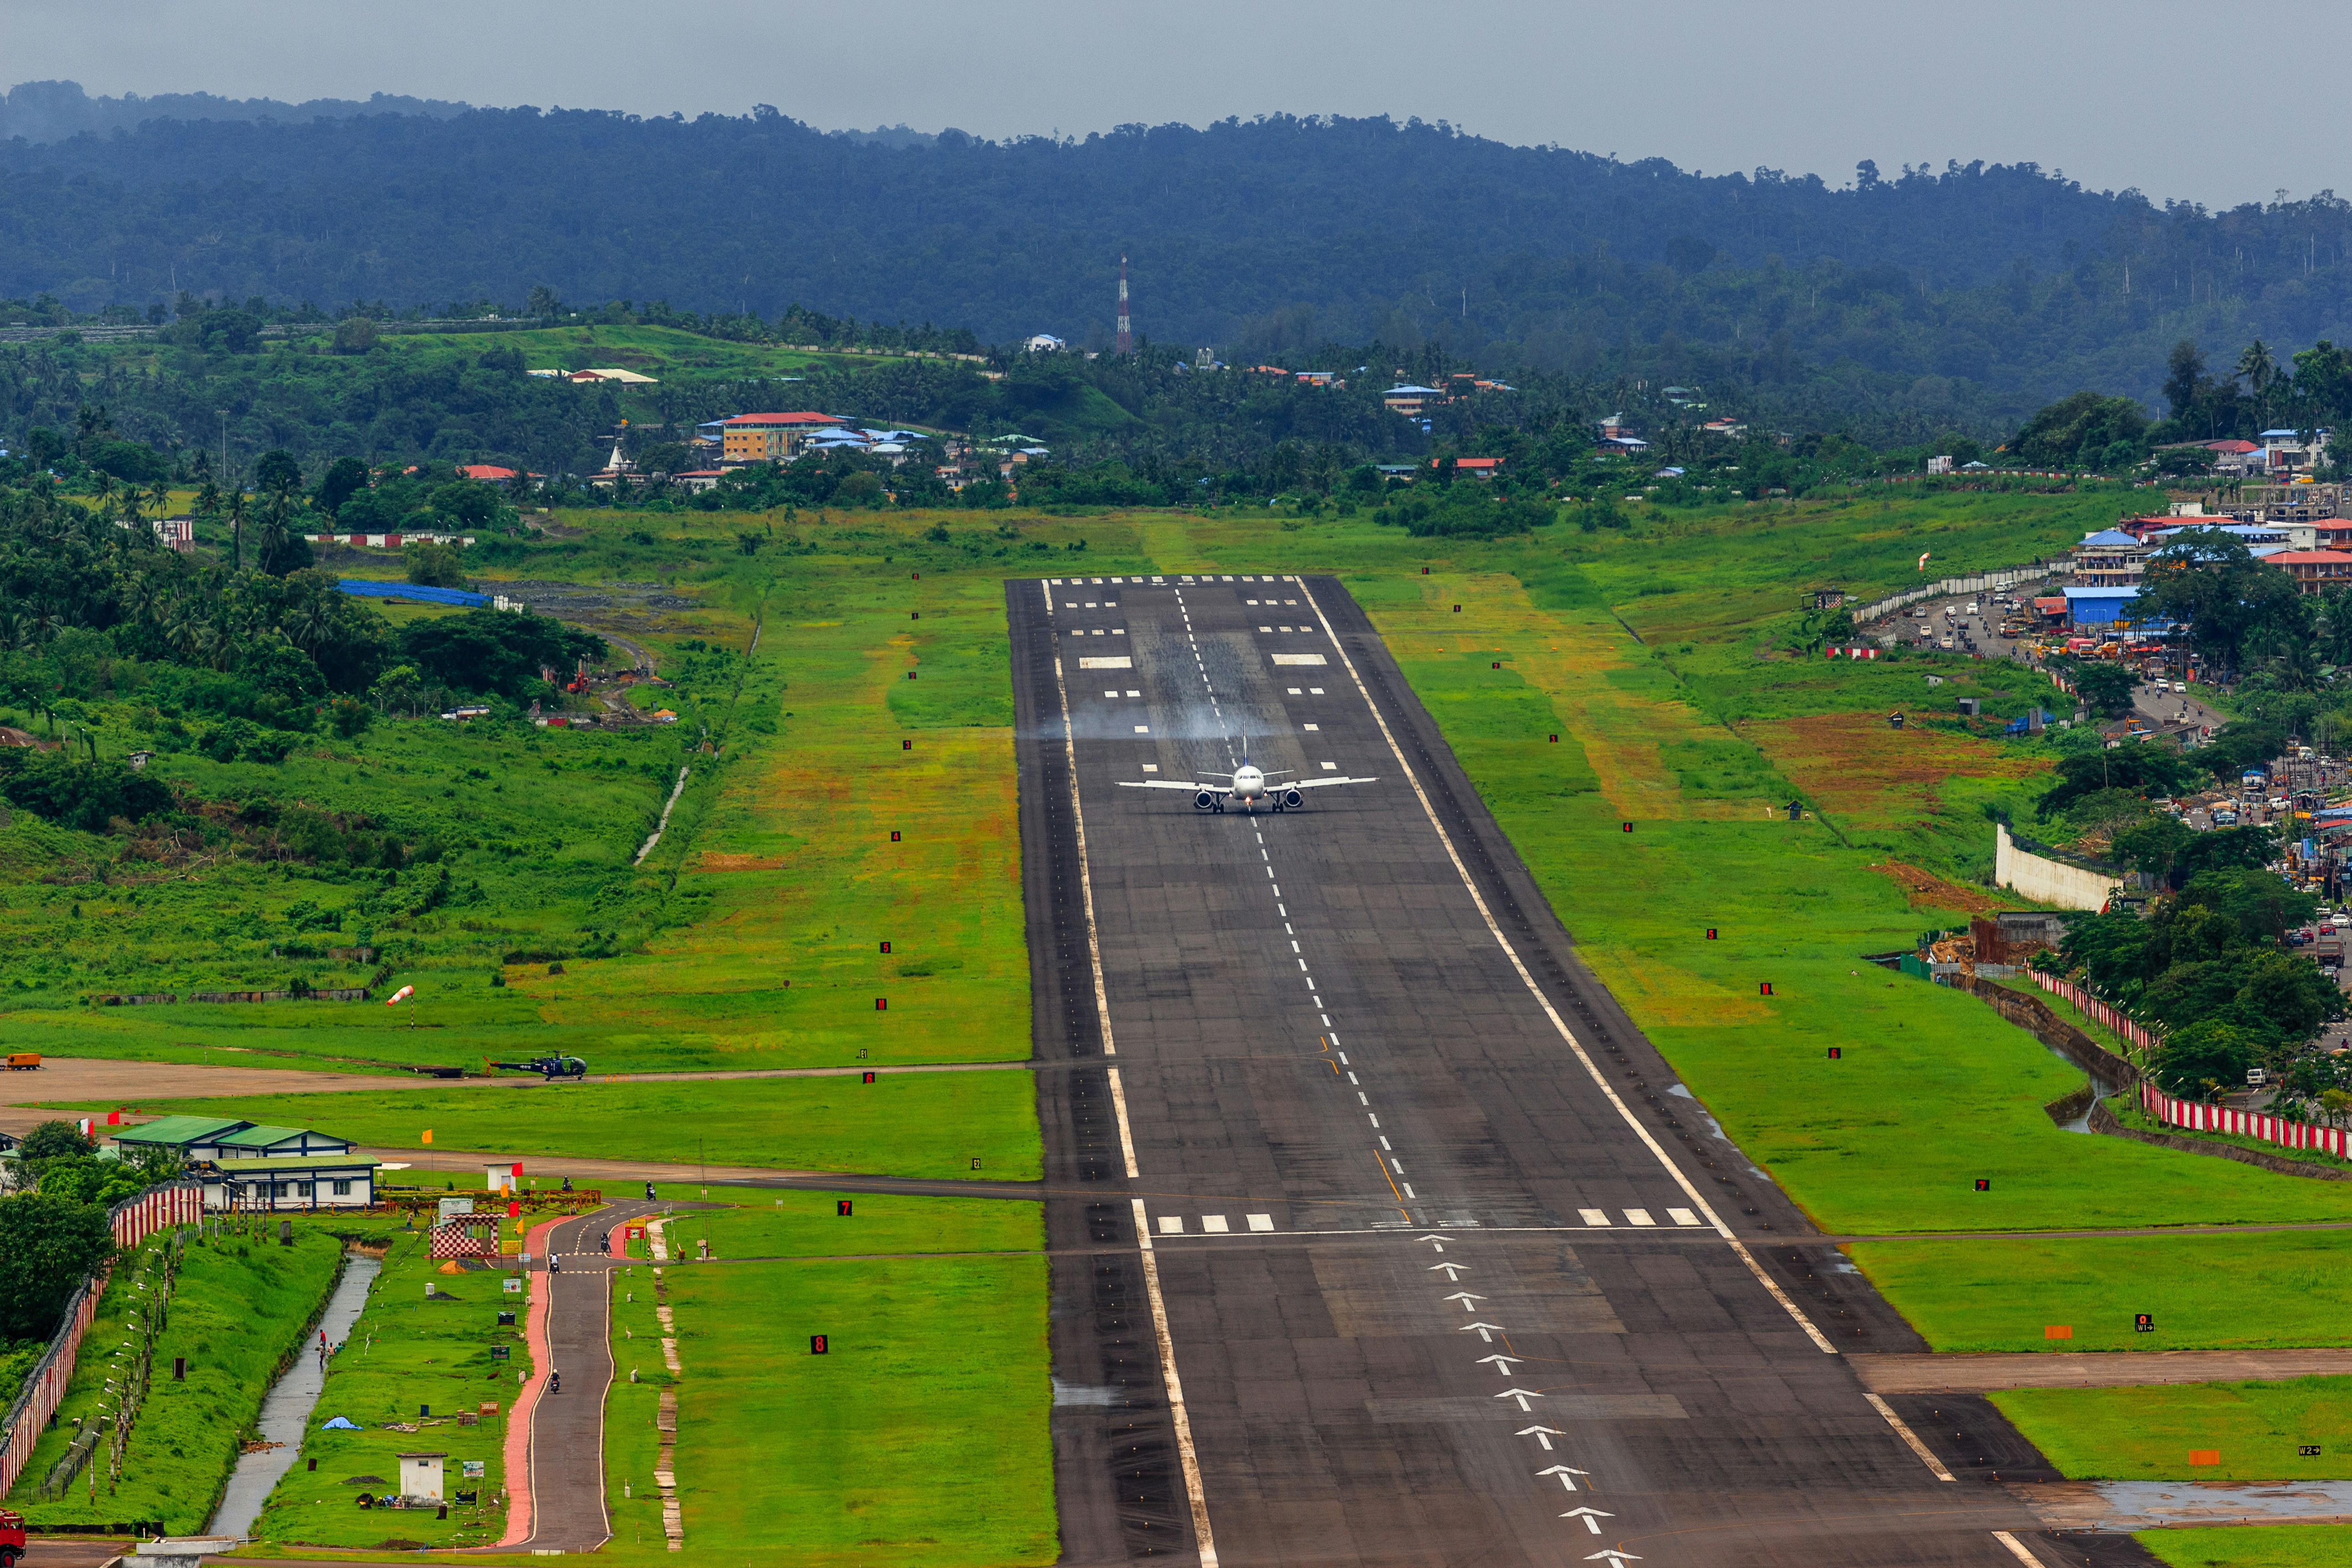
(369, 588)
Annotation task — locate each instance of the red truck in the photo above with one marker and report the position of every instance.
(12, 1539)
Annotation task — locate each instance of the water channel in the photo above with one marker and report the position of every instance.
(286, 1411)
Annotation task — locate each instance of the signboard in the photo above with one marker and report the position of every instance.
(817, 1344)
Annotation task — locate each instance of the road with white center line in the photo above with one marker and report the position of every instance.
(1412, 1253)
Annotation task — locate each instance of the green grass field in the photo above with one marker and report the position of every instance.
(2213, 1291)
(2147, 1434)
(903, 1124)
(406, 1355)
(2258, 1546)
(238, 1307)
(920, 1436)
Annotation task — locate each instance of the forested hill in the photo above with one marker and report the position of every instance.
(1971, 295)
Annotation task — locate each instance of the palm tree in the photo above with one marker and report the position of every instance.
(2259, 372)
(237, 530)
(273, 532)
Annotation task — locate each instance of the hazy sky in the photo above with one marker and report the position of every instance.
(2152, 94)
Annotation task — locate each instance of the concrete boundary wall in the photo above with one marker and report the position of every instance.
(2049, 881)
(1981, 583)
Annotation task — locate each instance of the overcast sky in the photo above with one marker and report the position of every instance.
(2146, 94)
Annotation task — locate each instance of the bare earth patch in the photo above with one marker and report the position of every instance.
(1868, 775)
(1924, 889)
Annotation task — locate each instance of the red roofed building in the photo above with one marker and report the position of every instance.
(1474, 468)
(2313, 571)
(767, 437)
(488, 473)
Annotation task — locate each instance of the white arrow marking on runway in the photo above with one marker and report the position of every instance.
(1483, 1329)
(1563, 1472)
(1543, 1435)
(1434, 1240)
(1591, 1517)
(1466, 1298)
(1522, 1396)
(1453, 1271)
(1502, 1363)
(1613, 1556)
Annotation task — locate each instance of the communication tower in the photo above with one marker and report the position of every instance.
(1126, 336)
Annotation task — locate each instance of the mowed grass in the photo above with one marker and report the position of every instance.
(920, 1437)
(405, 1355)
(2214, 1292)
(1933, 1089)
(239, 1305)
(809, 1224)
(2257, 1429)
(2250, 1546)
(902, 1124)
(797, 880)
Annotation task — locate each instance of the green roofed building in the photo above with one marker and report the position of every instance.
(192, 1138)
(277, 1143)
(202, 1140)
(291, 1183)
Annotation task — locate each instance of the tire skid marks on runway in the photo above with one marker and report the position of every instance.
(1388, 1168)
(1385, 1159)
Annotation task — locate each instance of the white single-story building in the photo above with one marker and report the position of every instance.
(292, 1183)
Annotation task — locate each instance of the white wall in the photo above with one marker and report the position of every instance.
(2045, 880)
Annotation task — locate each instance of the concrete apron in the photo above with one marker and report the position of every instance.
(286, 1411)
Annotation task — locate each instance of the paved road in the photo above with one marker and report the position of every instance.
(1410, 1178)
(567, 1429)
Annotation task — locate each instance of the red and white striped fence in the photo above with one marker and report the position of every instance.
(2193, 1117)
(132, 1220)
(2137, 1033)
(137, 1218)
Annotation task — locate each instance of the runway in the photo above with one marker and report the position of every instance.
(1440, 1265)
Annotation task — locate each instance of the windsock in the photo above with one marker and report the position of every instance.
(1923, 560)
(403, 995)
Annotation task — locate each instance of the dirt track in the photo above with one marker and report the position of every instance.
(98, 1079)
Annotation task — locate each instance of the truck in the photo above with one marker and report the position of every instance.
(24, 1061)
(12, 1539)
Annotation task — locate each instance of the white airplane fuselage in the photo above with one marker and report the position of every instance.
(1249, 790)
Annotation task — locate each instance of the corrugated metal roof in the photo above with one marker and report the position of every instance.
(182, 1130)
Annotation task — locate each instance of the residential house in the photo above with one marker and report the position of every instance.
(699, 479)
(624, 377)
(2111, 558)
(1473, 467)
(1730, 427)
(2314, 571)
(2288, 451)
(1410, 400)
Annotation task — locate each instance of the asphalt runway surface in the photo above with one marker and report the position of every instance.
(1439, 1264)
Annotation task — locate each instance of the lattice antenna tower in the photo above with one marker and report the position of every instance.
(1125, 334)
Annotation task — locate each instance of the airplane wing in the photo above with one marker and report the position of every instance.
(1169, 784)
(1325, 783)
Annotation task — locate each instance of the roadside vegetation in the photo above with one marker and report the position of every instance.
(236, 1313)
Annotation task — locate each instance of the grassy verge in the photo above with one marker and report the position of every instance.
(1933, 1089)
(904, 1124)
(2257, 1429)
(809, 1224)
(2260, 1546)
(238, 1308)
(406, 1355)
(2206, 1293)
(920, 1437)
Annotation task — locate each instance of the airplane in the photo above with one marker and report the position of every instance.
(1246, 787)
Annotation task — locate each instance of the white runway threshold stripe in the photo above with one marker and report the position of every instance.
(1107, 661)
(1560, 1025)
(1300, 658)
